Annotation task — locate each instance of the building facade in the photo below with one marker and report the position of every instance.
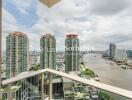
(48, 51)
(112, 51)
(17, 47)
(72, 53)
(34, 57)
(129, 53)
(121, 55)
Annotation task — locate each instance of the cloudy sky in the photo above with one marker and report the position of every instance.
(97, 22)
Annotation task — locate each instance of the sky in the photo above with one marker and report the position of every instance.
(97, 22)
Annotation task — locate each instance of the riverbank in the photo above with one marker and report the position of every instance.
(108, 71)
(127, 64)
(88, 73)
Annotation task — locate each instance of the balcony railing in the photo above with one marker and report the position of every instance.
(73, 87)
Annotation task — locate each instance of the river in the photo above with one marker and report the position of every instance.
(109, 72)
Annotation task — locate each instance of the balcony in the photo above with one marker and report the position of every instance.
(49, 84)
(56, 85)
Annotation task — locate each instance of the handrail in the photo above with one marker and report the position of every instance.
(112, 89)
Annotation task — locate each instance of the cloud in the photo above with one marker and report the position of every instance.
(109, 7)
(9, 22)
(114, 29)
(97, 22)
(88, 19)
(22, 5)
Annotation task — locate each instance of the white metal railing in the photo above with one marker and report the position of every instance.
(112, 89)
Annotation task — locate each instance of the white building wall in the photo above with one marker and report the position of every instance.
(121, 55)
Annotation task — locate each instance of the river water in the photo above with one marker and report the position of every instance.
(109, 72)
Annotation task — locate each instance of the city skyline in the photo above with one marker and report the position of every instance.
(96, 27)
(66, 50)
(63, 49)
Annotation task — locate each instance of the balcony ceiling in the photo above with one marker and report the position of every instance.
(49, 3)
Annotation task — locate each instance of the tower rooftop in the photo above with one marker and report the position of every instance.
(47, 35)
(71, 35)
(17, 33)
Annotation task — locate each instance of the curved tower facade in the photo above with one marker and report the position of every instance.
(48, 51)
(17, 48)
(72, 53)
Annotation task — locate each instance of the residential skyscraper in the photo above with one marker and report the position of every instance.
(72, 53)
(112, 51)
(48, 51)
(17, 47)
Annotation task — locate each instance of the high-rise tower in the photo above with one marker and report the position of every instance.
(17, 48)
(72, 53)
(48, 51)
(112, 50)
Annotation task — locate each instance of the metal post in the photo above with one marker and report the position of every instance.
(9, 92)
(50, 86)
(0, 43)
(42, 86)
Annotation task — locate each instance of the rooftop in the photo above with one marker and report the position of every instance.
(48, 36)
(71, 35)
(17, 33)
